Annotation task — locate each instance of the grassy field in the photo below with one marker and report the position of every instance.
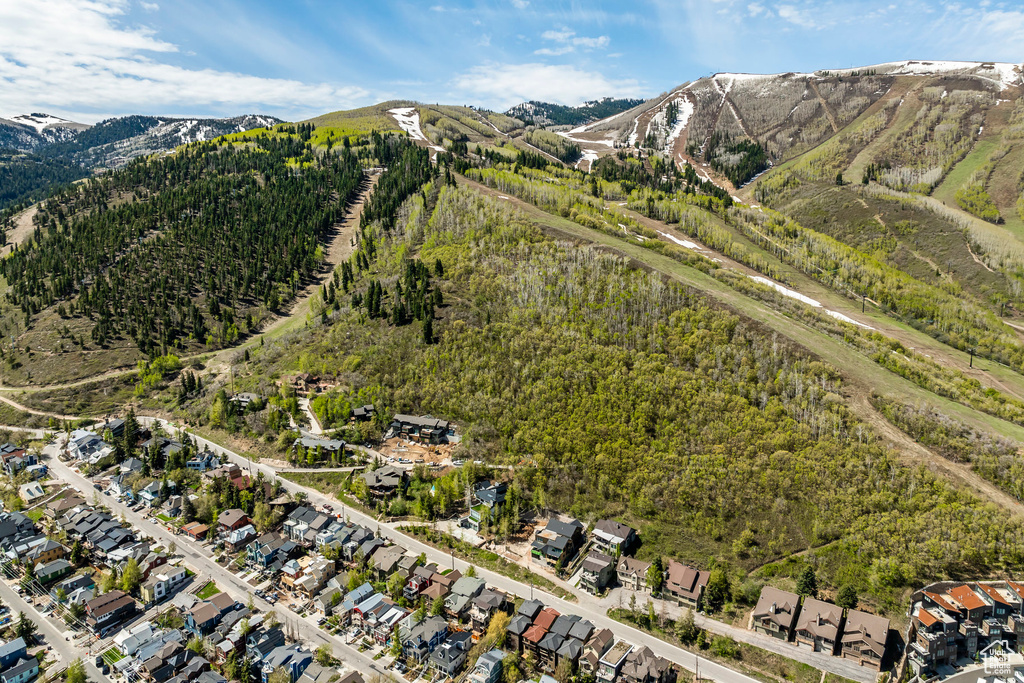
(208, 591)
(365, 119)
(95, 398)
(962, 171)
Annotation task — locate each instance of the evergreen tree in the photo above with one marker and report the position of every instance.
(807, 584)
(847, 596)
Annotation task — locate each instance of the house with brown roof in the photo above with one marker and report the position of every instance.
(1002, 601)
(685, 584)
(865, 638)
(232, 519)
(532, 637)
(818, 625)
(613, 537)
(632, 573)
(60, 506)
(643, 666)
(1015, 622)
(934, 643)
(973, 608)
(195, 530)
(108, 610)
(598, 643)
(944, 603)
(775, 612)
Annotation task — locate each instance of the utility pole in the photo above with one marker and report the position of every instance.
(863, 298)
(972, 356)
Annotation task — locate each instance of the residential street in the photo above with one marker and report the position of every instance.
(48, 633)
(590, 607)
(196, 556)
(587, 607)
(619, 597)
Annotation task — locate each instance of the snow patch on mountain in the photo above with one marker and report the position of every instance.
(408, 119)
(38, 121)
(685, 112)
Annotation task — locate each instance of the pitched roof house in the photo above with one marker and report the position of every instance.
(613, 537)
(685, 584)
(818, 625)
(775, 612)
(865, 638)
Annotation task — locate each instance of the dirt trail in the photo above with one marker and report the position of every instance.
(824, 105)
(23, 227)
(975, 257)
(32, 411)
(339, 248)
(914, 453)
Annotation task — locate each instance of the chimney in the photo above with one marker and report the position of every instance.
(771, 610)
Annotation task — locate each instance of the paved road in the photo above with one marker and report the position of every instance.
(619, 597)
(50, 634)
(197, 556)
(586, 608)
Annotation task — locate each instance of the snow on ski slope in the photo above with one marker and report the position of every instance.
(568, 136)
(685, 112)
(408, 119)
(632, 135)
(37, 121)
(813, 303)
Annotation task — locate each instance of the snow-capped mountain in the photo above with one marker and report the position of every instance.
(115, 141)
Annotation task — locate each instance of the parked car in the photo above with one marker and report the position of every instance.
(99, 661)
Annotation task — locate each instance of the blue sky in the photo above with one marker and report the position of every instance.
(88, 59)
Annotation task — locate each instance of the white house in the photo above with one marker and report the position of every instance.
(130, 639)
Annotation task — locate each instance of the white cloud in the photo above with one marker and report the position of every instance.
(561, 36)
(569, 41)
(795, 16)
(503, 85)
(149, 6)
(592, 43)
(74, 55)
(554, 51)
(755, 8)
(520, 4)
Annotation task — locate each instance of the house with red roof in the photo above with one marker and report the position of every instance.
(973, 608)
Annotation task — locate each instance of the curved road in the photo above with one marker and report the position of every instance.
(594, 613)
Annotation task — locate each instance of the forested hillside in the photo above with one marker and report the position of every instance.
(547, 113)
(619, 393)
(187, 251)
(64, 152)
(25, 178)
